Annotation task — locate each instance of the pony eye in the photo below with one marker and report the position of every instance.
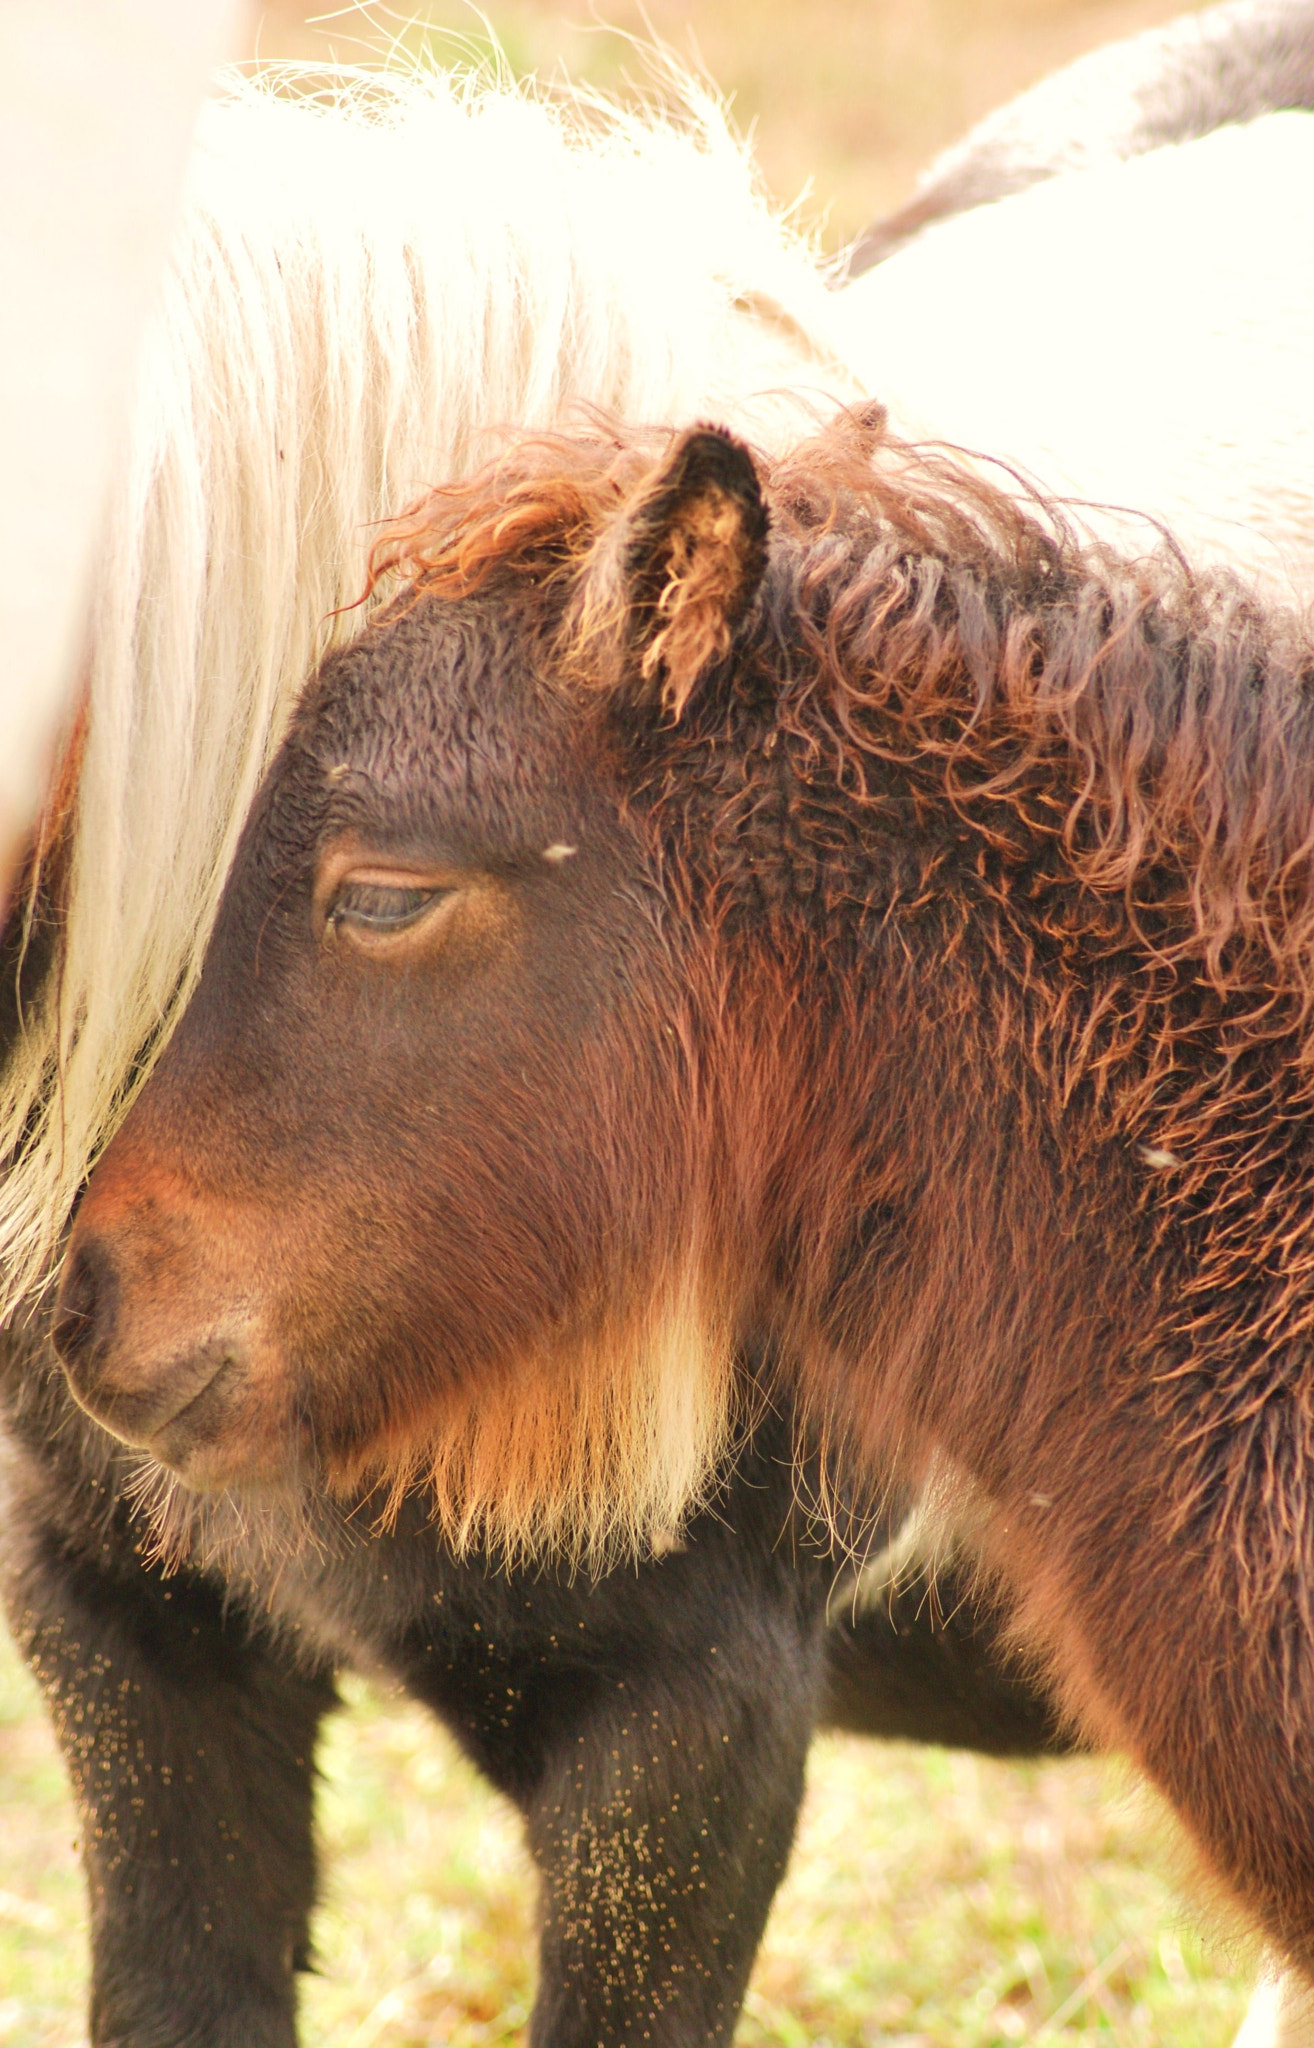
(380, 906)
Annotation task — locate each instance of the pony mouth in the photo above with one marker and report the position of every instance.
(184, 1416)
(192, 1435)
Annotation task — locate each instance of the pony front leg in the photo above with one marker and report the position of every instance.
(660, 1839)
(190, 1743)
(660, 1782)
(652, 1726)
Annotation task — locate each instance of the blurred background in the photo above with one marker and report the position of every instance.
(848, 99)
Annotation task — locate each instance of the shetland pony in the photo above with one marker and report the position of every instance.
(811, 900)
(312, 361)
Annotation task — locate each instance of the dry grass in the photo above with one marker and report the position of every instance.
(934, 1901)
(848, 97)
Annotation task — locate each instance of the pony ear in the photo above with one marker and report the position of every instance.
(670, 582)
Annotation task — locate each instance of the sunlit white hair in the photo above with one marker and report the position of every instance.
(367, 279)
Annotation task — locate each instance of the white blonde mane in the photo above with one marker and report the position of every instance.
(366, 280)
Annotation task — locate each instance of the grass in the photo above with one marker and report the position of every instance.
(934, 1901)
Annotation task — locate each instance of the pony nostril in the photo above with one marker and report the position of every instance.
(85, 1316)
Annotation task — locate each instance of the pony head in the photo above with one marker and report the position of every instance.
(425, 1183)
(715, 901)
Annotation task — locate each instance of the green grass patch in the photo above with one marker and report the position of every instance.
(934, 1901)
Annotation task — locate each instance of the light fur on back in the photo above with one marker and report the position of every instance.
(367, 279)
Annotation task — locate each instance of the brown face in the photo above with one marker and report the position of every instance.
(414, 1189)
(385, 1162)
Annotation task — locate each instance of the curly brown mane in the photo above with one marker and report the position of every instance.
(535, 511)
(986, 649)
(1120, 752)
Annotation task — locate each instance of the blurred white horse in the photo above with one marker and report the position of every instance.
(1138, 334)
(98, 99)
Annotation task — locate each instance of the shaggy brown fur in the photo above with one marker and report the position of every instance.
(934, 935)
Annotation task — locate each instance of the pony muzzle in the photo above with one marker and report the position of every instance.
(153, 1345)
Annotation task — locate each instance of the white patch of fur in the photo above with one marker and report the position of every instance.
(915, 1549)
(1156, 1156)
(604, 1451)
(1280, 2014)
(926, 1544)
(362, 285)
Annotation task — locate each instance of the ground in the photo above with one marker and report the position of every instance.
(934, 1901)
